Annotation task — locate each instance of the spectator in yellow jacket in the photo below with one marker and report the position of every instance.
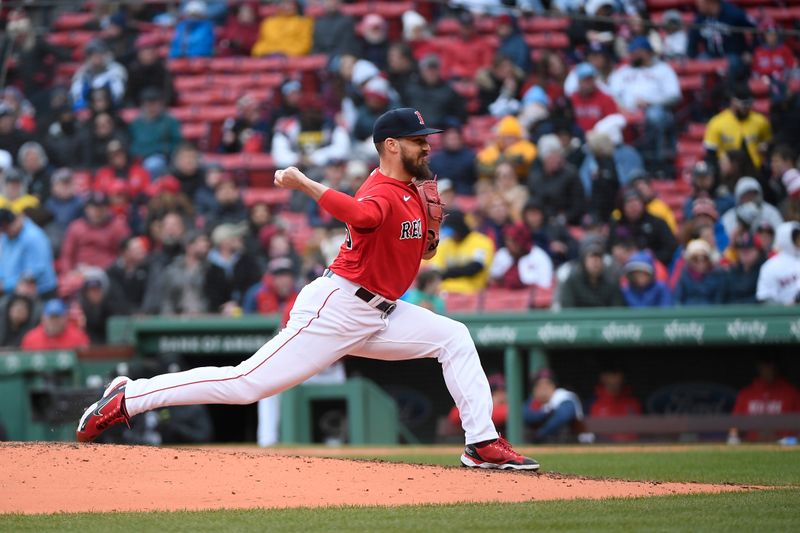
(509, 145)
(463, 258)
(288, 32)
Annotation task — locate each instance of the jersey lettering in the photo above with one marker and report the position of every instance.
(411, 229)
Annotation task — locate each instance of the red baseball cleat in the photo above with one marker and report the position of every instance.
(104, 413)
(496, 454)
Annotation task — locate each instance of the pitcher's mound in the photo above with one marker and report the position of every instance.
(56, 477)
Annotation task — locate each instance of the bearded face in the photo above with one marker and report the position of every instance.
(414, 159)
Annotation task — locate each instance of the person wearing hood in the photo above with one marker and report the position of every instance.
(512, 43)
(642, 289)
(555, 181)
(194, 35)
(750, 209)
(741, 278)
(148, 69)
(738, 128)
(701, 282)
(779, 278)
(287, 32)
(63, 139)
(99, 70)
(509, 145)
(464, 258)
(520, 263)
(591, 284)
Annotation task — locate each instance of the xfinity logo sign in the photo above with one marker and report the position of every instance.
(614, 332)
(551, 332)
(496, 335)
(752, 330)
(675, 331)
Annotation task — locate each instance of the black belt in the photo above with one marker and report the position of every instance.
(384, 306)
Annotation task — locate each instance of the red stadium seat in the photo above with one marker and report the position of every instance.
(72, 21)
(543, 298)
(550, 40)
(307, 63)
(506, 300)
(189, 65)
(691, 83)
(447, 26)
(696, 131)
(759, 88)
(196, 132)
(700, 66)
(691, 148)
(460, 303)
(536, 24)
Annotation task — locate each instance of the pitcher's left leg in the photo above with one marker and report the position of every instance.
(412, 333)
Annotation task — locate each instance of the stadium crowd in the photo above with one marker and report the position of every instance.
(553, 162)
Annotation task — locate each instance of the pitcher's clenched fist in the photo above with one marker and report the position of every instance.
(291, 178)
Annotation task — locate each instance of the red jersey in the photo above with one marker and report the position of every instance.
(590, 109)
(775, 61)
(72, 337)
(761, 398)
(384, 259)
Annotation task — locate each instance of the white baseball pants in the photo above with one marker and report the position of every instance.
(328, 322)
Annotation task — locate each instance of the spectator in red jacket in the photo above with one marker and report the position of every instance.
(240, 32)
(589, 103)
(773, 58)
(55, 332)
(768, 394)
(615, 398)
(94, 239)
(276, 291)
(121, 168)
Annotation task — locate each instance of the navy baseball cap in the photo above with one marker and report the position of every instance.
(401, 122)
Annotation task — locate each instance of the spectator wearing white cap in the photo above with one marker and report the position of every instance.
(194, 34)
(377, 100)
(791, 207)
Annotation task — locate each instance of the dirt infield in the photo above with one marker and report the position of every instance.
(59, 477)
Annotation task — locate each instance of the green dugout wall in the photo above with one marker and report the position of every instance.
(524, 339)
(520, 335)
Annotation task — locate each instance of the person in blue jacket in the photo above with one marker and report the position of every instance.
(642, 289)
(194, 35)
(25, 251)
(701, 282)
(512, 42)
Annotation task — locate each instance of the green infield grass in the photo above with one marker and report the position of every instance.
(766, 509)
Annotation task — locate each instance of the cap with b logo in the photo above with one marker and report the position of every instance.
(401, 122)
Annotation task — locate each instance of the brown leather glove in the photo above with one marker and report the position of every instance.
(434, 210)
